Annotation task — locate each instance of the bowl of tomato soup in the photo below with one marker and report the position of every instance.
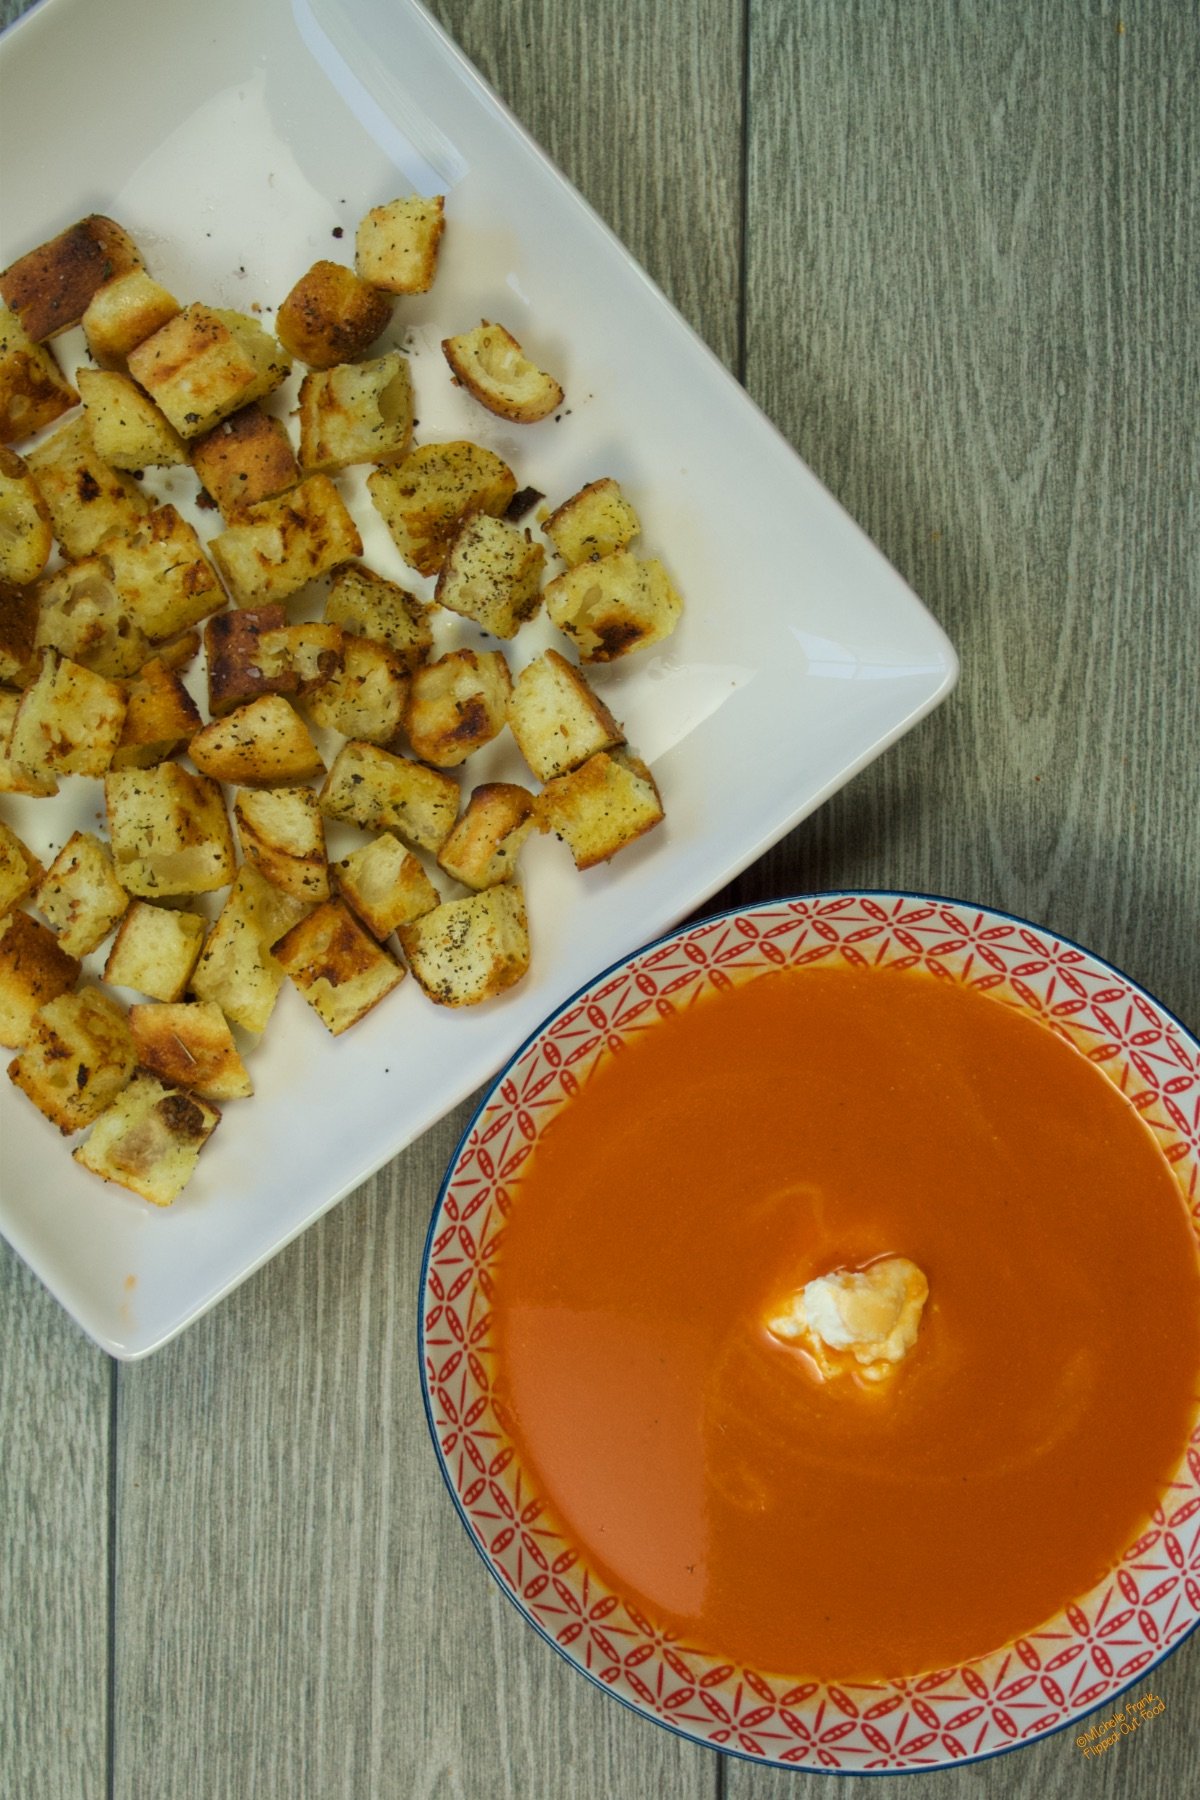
(810, 1332)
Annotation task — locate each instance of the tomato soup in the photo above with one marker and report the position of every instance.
(817, 1120)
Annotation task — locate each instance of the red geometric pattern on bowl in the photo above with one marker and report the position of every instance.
(1079, 1659)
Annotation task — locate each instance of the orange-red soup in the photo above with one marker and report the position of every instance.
(810, 1120)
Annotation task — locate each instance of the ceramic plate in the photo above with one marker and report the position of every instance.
(1077, 1662)
(238, 144)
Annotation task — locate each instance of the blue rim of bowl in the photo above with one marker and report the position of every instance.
(666, 937)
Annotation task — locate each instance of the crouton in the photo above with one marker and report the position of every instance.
(33, 389)
(555, 717)
(149, 1139)
(69, 720)
(234, 660)
(82, 616)
(355, 413)
(385, 884)
(76, 1059)
(204, 364)
(247, 458)
(466, 951)
(162, 575)
(457, 704)
(491, 574)
(18, 633)
(425, 498)
(34, 969)
(396, 246)
(50, 287)
(594, 522)
(20, 870)
(281, 544)
(155, 950)
(340, 970)
(368, 605)
(307, 655)
(26, 532)
(370, 787)
(598, 808)
(128, 430)
(365, 698)
(282, 834)
(492, 366)
(123, 313)
(614, 605)
(263, 744)
(87, 500)
(169, 831)
(80, 895)
(237, 968)
(331, 316)
(13, 778)
(486, 841)
(189, 1044)
(160, 716)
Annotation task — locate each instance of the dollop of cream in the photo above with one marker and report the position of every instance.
(861, 1320)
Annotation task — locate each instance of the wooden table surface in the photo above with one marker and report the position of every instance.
(950, 246)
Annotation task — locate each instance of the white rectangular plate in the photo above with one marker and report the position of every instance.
(238, 143)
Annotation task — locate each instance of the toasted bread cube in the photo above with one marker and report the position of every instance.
(20, 870)
(51, 286)
(594, 522)
(370, 787)
(614, 605)
(310, 654)
(598, 808)
(283, 834)
(87, 500)
(366, 697)
(557, 720)
(169, 831)
(356, 413)
(457, 704)
(14, 779)
(80, 895)
(331, 316)
(163, 576)
(341, 971)
(149, 1139)
(123, 313)
(396, 246)
(263, 744)
(26, 531)
(155, 950)
(237, 968)
(34, 969)
(281, 544)
(483, 848)
(205, 363)
(69, 720)
(189, 1044)
(465, 951)
(33, 389)
(234, 659)
(160, 716)
(83, 617)
(492, 366)
(491, 574)
(368, 605)
(128, 430)
(385, 884)
(76, 1059)
(248, 457)
(18, 633)
(425, 498)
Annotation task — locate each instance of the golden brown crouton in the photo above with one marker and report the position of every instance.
(128, 430)
(162, 575)
(18, 633)
(557, 720)
(160, 717)
(486, 841)
(457, 704)
(396, 246)
(76, 1059)
(341, 971)
(425, 498)
(263, 744)
(248, 457)
(369, 606)
(234, 660)
(87, 500)
(68, 722)
(283, 834)
(204, 364)
(308, 654)
(169, 831)
(20, 870)
(594, 522)
(370, 787)
(492, 366)
(33, 389)
(598, 808)
(385, 884)
(123, 313)
(50, 287)
(465, 951)
(13, 778)
(491, 574)
(237, 968)
(614, 605)
(80, 895)
(26, 532)
(155, 950)
(148, 1140)
(356, 413)
(82, 616)
(281, 544)
(331, 316)
(188, 1044)
(34, 969)
(365, 698)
